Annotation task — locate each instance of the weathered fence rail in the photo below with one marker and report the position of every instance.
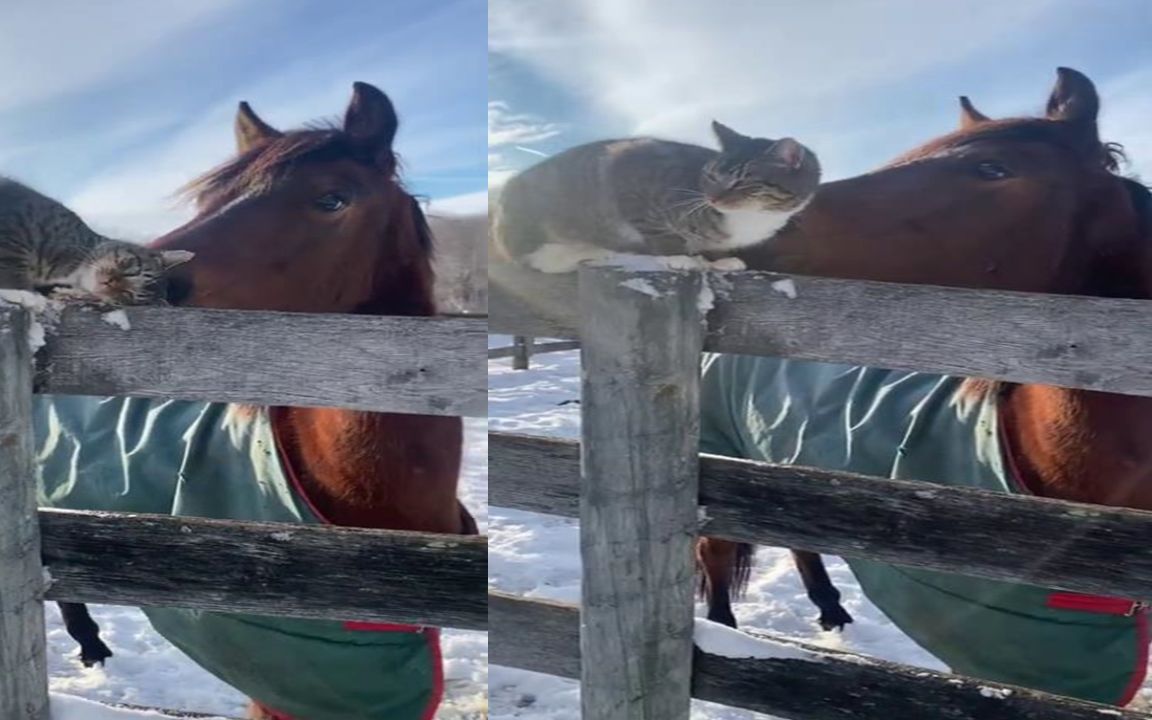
(533, 348)
(1053, 543)
(300, 570)
(1087, 343)
(544, 636)
(1079, 342)
(386, 364)
(390, 364)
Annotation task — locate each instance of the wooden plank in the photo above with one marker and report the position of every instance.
(641, 341)
(1081, 342)
(390, 364)
(974, 532)
(537, 349)
(23, 662)
(521, 352)
(267, 568)
(540, 636)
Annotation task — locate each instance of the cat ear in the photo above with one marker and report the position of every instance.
(371, 120)
(172, 258)
(251, 130)
(726, 135)
(969, 115)
(789, 152)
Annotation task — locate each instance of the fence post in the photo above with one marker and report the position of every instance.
(23, 663)
(521, 352)
(641, 338)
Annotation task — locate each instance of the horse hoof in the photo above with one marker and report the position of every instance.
(96, 655)
(835, 619)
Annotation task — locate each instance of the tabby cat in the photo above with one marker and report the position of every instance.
(653, 197)
(46, 247)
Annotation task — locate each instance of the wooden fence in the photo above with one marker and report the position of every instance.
(642, 493)
(389, 364)
(523, 348)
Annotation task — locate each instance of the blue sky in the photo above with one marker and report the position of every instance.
(110, 106)
(859, 81)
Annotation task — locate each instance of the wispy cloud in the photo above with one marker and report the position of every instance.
(509, 130)
(858, 81)
(151, 92)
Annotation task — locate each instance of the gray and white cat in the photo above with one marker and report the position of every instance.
(653, 197)
(46, 247)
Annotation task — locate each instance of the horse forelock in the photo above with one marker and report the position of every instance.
(258, 170)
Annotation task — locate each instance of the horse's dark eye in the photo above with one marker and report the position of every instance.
(331, 202)
(992, 171)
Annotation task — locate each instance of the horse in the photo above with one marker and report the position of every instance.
(1031, 204)
(316, 220)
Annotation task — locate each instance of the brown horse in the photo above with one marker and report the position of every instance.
(1025, 204)
(315, 220)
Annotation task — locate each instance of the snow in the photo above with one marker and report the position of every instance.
(45, 312)
(118, 318)
(64, 707)
(538, 556)
(147, 671)
(786, 287)
(716, 639)
(641, 285)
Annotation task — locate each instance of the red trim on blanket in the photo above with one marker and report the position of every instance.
(290, 473)
(431, 635)
(1137, 679)
(1087, 603)
(272, 714)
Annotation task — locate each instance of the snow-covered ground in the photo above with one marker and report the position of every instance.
(147, 671)
(539, 556)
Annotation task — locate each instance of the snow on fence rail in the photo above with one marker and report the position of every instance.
(645, 493)
(389, 364)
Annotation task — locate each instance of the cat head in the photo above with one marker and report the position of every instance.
(758, 173)
(125, 274)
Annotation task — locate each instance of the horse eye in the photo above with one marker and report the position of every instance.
(331, 202)
(992, 171)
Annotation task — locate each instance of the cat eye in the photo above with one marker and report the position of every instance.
(130, 266)
(992, 171)
(331, 202)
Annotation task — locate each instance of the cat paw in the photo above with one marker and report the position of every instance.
(728, 264)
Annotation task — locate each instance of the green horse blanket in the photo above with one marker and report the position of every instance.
(209, 460)
(912, 426)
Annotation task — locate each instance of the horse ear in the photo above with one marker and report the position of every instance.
(1074, 99)
(726, 135)
(969, 115)
(370, 118)
(172, 258)
(251, 130)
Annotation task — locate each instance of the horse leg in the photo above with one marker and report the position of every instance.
(84, 631)
(725, 567)
(820, 589)
(468, 524)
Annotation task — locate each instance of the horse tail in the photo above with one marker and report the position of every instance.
(742, 571)
(715, 556)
